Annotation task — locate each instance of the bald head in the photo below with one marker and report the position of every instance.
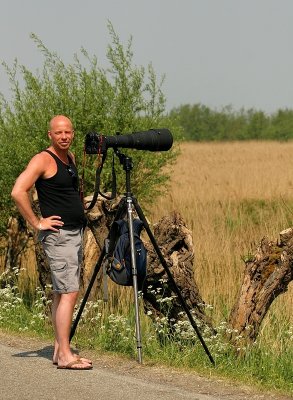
(60, 120)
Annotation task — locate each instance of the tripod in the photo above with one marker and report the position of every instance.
(126, 206)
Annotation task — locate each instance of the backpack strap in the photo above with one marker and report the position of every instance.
(137, 226)
(117, 229)
(105, 284)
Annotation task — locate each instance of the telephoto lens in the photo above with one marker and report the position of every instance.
(152, 140)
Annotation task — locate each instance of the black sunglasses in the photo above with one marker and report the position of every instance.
(72, 173)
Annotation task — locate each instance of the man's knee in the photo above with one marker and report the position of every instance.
(69, 297)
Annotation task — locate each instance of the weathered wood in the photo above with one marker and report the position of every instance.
(100, 218)
(175, 242)
(266, 276)
(18, 240)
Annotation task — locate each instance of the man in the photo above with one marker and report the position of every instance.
(54, 174)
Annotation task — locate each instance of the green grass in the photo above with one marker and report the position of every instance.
(267, 364)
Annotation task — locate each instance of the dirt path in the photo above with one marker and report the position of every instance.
(27, 373)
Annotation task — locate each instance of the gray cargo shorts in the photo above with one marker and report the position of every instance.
(64, 252)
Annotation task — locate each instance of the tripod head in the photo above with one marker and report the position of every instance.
(127, 164)
(125, 161)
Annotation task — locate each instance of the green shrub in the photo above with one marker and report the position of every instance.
(122, 98)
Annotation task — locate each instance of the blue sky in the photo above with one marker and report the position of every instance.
(214, 52)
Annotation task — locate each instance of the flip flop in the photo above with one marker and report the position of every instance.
(81, 359)
(72, 363)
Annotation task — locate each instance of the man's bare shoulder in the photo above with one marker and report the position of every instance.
(37, 167)
(41, 157)
(40, 161)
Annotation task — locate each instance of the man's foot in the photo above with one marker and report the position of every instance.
(76, 358)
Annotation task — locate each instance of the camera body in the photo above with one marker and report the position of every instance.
(95, 143)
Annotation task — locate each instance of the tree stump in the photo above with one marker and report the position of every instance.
(176, 245)
(266, 276)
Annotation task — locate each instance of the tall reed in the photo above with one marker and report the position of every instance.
(231, 195)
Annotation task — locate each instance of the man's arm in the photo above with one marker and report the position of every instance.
(20, 194)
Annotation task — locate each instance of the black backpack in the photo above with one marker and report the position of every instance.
(119, 254)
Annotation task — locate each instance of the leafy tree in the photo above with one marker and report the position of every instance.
(122, 98)
(257, 125)
(200, 123)
(281, 127)
(195, 121)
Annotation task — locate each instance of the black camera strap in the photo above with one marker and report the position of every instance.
(101, 159)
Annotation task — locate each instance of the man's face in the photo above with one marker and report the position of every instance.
(61, 133)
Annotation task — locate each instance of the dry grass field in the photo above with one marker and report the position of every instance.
(231, 195)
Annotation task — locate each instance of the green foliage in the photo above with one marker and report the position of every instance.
(123, 98)
(26, 317)
(267, 363)
(201, 123)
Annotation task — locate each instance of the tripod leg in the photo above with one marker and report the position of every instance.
(134, 277)
(119, 213)
(87, 293)
(164, 264)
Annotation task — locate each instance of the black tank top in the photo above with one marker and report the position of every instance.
(59, 195)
